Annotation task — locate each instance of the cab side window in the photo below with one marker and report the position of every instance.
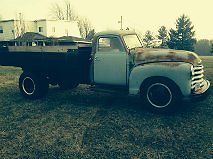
(110, 44)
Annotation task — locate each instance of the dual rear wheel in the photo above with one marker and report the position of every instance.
(33, 86)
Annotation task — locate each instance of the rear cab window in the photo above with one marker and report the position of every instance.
(110, 44)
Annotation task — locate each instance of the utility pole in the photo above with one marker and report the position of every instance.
(121, 22)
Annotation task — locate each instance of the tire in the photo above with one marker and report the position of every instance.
(161, 95)
(33, 86)
(65, 85)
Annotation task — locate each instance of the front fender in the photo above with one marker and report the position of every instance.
(178, 72)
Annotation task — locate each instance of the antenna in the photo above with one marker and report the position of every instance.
(121, 22)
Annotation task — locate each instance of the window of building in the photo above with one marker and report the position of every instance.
(66, 32)
(40, 29)
(1, 29)
(53, 29)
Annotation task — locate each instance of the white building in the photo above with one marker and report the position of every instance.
(11, 29)
(55, 28)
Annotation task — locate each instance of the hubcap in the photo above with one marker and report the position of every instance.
(28, 86)
(159, 95)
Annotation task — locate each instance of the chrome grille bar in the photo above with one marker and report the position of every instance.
(197, 77)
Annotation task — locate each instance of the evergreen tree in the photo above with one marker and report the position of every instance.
(163, 35)
(182, 38)
(148, 39)
(203, 47)
(212, 48)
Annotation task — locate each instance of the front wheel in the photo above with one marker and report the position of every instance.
(161, 95)
(33, 86)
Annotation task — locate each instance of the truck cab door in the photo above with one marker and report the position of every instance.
(110, 62)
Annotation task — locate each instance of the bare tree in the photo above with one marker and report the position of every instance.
(85, 27)
(63, 12)
(67, 12)
(70, 12)
(20, 26)
(91, 34)
(57, 12)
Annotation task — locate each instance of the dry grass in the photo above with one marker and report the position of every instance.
(86, 124)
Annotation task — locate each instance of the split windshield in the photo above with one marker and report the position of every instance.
(132, 41)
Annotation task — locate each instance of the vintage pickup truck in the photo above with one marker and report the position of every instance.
(162, 77)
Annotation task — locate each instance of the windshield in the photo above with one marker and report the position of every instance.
(132, 41)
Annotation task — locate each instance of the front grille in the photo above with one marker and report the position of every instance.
(197, 81)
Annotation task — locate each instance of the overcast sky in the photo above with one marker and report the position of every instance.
(139, 14)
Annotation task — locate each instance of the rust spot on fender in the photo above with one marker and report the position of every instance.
(170, 64)
(192, 58)
(164, 55)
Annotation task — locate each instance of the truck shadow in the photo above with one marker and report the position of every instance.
(82, 96)
(87, 97)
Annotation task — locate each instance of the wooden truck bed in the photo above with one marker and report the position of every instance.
(58, 60)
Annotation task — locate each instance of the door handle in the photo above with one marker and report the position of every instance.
(97, 59)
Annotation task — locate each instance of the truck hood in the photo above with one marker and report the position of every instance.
(143, 55)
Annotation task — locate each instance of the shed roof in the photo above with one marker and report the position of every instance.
(30, 36)
(71, 39)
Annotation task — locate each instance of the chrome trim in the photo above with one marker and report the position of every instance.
(23, 85)
(155, 105)
(197, 77)
(204, 88)
(198, 72)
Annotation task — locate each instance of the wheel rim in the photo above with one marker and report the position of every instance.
(28, 86)
(159, 95)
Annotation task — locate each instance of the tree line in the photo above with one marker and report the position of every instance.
(180, 38)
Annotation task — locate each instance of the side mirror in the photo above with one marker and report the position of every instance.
(129, 51)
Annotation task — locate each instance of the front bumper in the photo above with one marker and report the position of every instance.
(203, 89)
(201, 93)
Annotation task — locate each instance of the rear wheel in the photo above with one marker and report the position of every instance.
(33, 86)
(161, 95)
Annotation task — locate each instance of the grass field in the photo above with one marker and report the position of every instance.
(86, 124)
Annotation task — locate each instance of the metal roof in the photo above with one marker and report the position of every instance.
(71, 39)
(29, 37)
(115, 32)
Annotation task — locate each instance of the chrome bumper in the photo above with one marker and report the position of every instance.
(200, 94)
(203, 89)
